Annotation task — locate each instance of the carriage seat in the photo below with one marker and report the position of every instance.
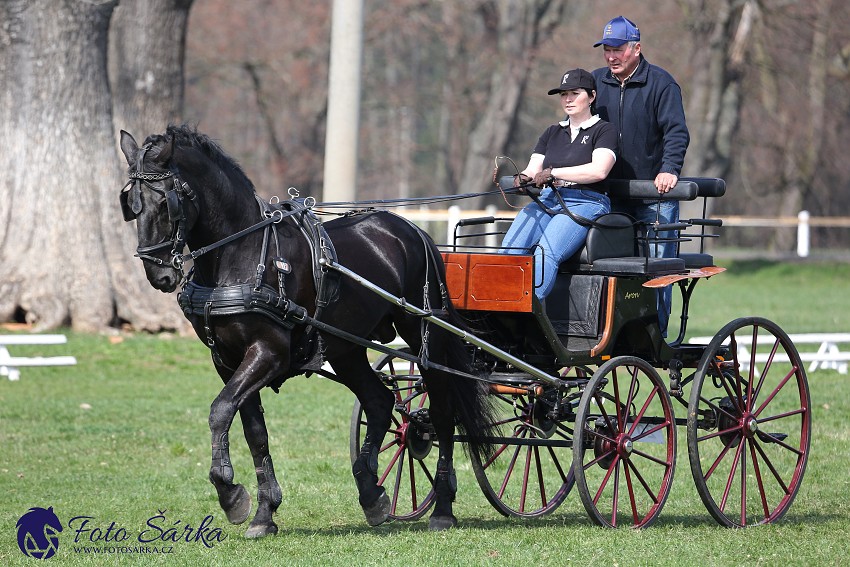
(611, 247)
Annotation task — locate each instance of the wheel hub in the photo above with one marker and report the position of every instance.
(625, 447)
(546, 426)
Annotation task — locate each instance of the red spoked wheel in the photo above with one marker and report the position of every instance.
(530, 473)
(625, 444)
(407, 460)
(749, 423)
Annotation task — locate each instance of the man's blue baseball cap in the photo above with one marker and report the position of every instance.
(618, 31)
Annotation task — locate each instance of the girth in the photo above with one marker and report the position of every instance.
(209, 302)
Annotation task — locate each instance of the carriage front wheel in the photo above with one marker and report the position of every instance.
(749, 423)
(407, 460)
(625, 444)
(530, 473)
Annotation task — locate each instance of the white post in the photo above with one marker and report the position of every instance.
(453, 218)
(492, 239)
(343, 122)
(803, 234)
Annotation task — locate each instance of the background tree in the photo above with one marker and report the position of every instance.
(67, 256)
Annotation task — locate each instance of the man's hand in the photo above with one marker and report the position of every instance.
(665, 181)
(544, 177)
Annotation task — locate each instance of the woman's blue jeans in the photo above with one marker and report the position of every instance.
(554, 237)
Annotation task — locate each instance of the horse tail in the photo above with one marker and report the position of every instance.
(475, 414)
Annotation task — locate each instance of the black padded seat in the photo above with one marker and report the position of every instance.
(636, 265)
(611, 236)
(695, 260)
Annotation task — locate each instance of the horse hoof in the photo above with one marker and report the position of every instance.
(377, 513)
(238, 506)
(441, 523)
(261, 530)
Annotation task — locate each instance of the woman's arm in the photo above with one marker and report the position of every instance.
(535, 165)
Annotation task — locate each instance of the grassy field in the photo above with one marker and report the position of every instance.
(122, 439)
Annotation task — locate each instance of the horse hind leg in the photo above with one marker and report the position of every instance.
(445, 481)
(269, 495)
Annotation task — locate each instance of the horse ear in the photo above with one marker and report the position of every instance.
(129, 147)
(165, 151)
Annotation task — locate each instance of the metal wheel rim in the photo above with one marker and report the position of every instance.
(748, 451)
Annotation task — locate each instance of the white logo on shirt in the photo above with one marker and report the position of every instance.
(585, 139)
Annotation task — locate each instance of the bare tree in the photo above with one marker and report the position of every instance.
(516, 27)
(65, 252)
(147, 43)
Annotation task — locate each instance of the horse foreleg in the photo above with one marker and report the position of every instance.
(377, 403)
(233, 498)
(269, 495)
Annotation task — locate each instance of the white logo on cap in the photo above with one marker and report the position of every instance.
(566, 76)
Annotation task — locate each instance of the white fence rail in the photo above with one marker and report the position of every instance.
(10, 365)
(828, 355)
(804, 223)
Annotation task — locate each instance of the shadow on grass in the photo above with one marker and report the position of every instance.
(576, 521)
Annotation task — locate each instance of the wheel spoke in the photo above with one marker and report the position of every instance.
(719, 458)
(772, 468)
(509, 472)
(775, 391)
(397, 488)
(731, 477)
(759, 481)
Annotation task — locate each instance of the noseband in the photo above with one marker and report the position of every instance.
(176, 196)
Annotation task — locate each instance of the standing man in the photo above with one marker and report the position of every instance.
(644, 103)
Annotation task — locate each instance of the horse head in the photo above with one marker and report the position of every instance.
(162, 206)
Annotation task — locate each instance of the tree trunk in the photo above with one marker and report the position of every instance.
(64, 249)
(518, 27)
(147, 43)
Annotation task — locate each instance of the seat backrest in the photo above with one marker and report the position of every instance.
(611, 236)
(708, 186)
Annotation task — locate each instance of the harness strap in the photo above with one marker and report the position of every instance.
(299, 315)
(277, 216)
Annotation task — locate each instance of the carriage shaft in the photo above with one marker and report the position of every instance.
(428, 316)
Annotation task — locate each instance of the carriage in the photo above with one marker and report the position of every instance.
(582, 402)
(546, 396)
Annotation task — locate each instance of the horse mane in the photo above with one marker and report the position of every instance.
(186, 136)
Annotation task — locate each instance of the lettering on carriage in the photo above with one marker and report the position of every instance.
(632, 295)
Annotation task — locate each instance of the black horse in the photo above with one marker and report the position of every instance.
(256, 296)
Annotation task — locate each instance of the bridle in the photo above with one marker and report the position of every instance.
(177, 195)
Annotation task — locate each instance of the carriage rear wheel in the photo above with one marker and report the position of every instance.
(530, 473)
(407, 460)
(749, 423)
(625, 444)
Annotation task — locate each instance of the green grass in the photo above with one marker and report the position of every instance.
(123, 435)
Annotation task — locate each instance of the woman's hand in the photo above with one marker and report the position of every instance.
(521, 179)
(545, 177)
